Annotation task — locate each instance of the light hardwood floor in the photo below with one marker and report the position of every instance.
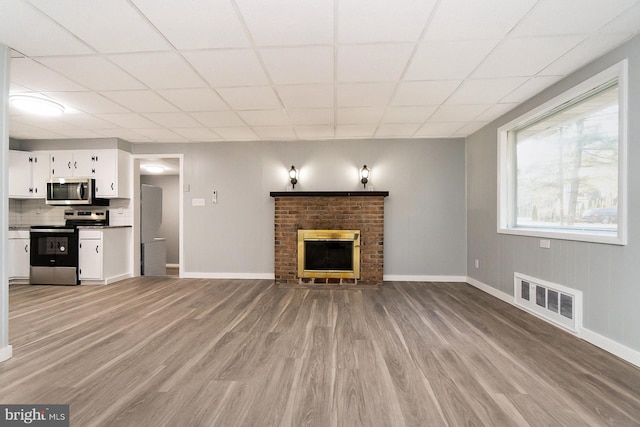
(183, 352)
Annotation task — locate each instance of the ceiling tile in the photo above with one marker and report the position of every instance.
(159, 70)
(552, 17)
(355, 131)
(288, 22)
(173, 120)
(128, 120)
(35, 76)
(88, 102)
(109, 26)
(196, 24)
(42, 122)
(265, 118)
(372, 63)
(396, 130)
(495, 111)
(203, 99)
(79, 133)
(94, 72)
(457, 113)
(594, 46)
(484, 91)
(142, 101)
(365, 94)
(250, 98)
(424, 93)
(438, 130)
(366, 21)
(275, 132)
(228, 67)
(627, 22)
(359, 116)
(27, 30)
(36, 133)
(306, 96)
(126, 134)
(16, 88)
(445, 60)
(476, 20)
(525, 57)
(214, 119)
(85, 121)
(311, 116)
(530, 88)
(197, 134)
(160, 134)
(315, 132)
(297, 65)
(408, 114)
(239, 132)
(470, 128)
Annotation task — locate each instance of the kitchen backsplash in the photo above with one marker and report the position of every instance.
(36, 212)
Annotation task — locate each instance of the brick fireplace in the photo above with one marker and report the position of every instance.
(331, 210)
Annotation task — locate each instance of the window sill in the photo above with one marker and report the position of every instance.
(603, 237)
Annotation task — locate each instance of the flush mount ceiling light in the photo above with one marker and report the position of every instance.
(154, 169)
(293, 176)
(364, 176)
(36, 105)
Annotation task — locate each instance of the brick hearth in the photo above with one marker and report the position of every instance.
(362, 211)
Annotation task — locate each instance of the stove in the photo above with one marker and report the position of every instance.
(54, 248)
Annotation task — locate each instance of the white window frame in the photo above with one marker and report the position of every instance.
(506, 173)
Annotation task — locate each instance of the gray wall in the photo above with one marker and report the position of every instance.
(5, 349)
(608, 275)
(170, 227)
(425, 212)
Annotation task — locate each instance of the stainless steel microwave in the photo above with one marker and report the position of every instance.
(71, 191)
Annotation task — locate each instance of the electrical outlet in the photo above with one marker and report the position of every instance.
(477, 264)
(544, 243)
(197, 202)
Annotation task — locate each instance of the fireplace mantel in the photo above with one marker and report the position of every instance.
(328, 193)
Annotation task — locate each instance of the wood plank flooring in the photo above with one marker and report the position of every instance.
(187, 352)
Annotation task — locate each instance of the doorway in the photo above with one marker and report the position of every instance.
(164, 172)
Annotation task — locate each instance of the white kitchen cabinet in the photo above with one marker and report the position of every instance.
(28, 174)
(19, 255)
(104, 255)
(109, 167)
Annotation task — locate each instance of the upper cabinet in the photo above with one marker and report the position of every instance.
(28, 174)
(109, 167)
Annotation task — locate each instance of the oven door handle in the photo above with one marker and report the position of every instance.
(53, 230)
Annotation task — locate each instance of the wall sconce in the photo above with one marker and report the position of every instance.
(364, 176)
(293, 175)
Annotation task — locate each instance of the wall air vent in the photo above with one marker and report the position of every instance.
(554, 303)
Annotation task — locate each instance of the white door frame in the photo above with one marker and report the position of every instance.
(135, 198)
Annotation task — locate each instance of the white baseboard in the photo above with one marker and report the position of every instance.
(630, 355)
(249, 276)
(6, 353)
(410, 278)
(623, 352)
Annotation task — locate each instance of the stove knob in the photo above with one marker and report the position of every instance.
(62, 248)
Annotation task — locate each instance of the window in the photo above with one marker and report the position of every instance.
(562, 166)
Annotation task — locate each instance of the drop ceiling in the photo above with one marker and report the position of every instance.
(225, 70)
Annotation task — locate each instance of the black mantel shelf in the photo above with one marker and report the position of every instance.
(327, 193)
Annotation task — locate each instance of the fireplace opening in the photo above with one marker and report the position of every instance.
(329, 254)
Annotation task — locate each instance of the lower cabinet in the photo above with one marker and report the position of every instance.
(104, 255)
(19, 256)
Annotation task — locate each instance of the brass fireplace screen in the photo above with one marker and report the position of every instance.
(329, 254)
